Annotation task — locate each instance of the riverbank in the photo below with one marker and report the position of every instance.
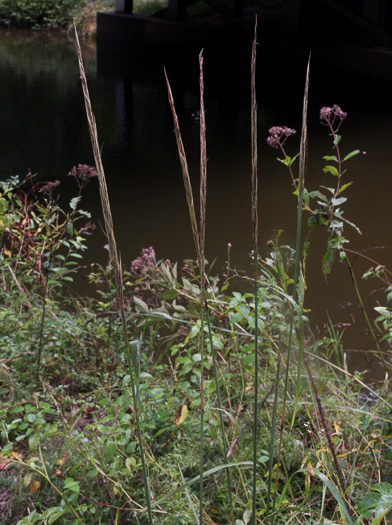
(176, 392)
(69, 444)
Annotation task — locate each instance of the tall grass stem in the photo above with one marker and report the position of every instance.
(114, 260)
(222, 427)
(203, 203)
(301, 185)
(185, 169)
(255, 234)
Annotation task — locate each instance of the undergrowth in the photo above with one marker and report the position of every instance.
(107, 415)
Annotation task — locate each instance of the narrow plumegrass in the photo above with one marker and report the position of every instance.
(220, 407)
(199, 240)
(255, 233)
(202, 230)
(301, 185)
(116, 265)
(185, 170)
(326, 428)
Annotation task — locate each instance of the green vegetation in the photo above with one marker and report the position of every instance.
(141, 404)
(59, 14)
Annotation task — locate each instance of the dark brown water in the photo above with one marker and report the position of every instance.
(43, 128)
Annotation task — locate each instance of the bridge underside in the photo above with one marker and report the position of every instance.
(357, 40)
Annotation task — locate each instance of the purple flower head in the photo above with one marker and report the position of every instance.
(143, 264)
(279, 135)
(328, 116)
(49, 187)
(83, 174)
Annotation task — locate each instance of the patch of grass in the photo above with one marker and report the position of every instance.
(130, 406)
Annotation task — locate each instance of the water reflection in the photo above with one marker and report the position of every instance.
(43, 128)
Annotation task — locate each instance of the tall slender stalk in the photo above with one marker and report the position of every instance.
(185, 170)
(301, 185)
(222, 427)
(199, 240)
(198, 237)
(363, 308)
(273, 428)
(42, 324)
(255, 233)
(326, 428)
(114, 261)
(202, 230)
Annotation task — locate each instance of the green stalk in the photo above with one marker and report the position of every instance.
(255, 226)
(115, 262)
(301, 184)
(203, 201)
(362, 305)
(218, 396)
(273, 428)
(41, 329)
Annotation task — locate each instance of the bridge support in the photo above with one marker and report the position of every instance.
(124, 6)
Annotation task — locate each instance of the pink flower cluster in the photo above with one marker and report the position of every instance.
(279, 135)
(332, 117)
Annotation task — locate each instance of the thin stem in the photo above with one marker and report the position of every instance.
(362, 305)
(301, 184)
(222, 427)
(203, 203)
(255, 226)
(273, 428)
(115, 262)
(326, 428)
(41, 329)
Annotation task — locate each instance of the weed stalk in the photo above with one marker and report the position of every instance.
(326, 428)
(115, 263)
(301, 185)
(255, 233)
(222, 427)
(203, 202)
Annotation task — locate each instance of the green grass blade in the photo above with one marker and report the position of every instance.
(302, 172)
(220, 410)
(196, 479)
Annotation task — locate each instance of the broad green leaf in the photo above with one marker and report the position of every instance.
(319, 195)
(248, 360)
(331, 169)
(56, 515)
(3, 205)
(350, 155)
(194, 480)
(331, 157)
(337, 202)
(246, 517)
(110, 450)
(140, 304)
(383, 488)
(344, 187)
(306, 197)
(33, 442)
(170, 294)
(327, 261)
(74, 202)
(71, 484)
(329, 484)
(331, 190)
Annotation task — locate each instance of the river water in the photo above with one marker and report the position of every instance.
(43, 129)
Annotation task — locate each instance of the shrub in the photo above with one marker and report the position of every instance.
(38, 13)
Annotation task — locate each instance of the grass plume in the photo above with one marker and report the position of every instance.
(115, 263)
(255, 234)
